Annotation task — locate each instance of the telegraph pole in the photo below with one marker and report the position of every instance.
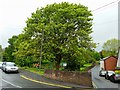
(41, 49)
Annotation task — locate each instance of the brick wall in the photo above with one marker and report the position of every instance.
(70, 76)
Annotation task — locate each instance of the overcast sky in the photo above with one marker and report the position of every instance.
(14, 13)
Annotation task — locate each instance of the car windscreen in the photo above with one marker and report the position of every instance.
(10, 64)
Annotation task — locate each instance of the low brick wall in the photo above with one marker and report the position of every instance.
(70, 76)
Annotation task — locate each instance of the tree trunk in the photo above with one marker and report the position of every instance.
(57, 65)
(58, 60)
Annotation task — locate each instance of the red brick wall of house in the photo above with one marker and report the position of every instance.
(110, 63)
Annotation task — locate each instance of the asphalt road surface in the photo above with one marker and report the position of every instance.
(13, 80)
(101, 82)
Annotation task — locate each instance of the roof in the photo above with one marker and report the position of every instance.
(108, 57)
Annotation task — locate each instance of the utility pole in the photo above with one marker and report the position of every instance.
(118, 61)
(41, 49)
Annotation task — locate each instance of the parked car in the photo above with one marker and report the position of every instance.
(113, 75)
(1, 65)
(108, 74)
(9, 67)
(102, 73)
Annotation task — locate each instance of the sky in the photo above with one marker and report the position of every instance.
(14, 13)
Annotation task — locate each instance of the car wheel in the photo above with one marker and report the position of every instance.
(106, 77)
(5, 70)
(100, 74)
(17, 71)
(112, 79)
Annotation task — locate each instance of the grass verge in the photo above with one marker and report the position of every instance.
(34, 70)
(86, 66)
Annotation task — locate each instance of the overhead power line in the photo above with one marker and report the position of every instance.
(105, 5)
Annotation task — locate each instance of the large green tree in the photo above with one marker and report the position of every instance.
(64, 30)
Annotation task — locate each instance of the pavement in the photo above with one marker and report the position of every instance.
(43, 80)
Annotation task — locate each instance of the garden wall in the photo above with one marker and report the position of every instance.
(70, 76)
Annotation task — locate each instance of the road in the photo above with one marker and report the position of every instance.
(13, 80)
(101, 82)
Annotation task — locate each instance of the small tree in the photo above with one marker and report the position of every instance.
(1, 53)
(110, 47)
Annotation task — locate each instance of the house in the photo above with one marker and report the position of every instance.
(109, 63)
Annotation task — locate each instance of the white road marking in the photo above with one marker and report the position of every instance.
(11, 84)
(94, 85)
